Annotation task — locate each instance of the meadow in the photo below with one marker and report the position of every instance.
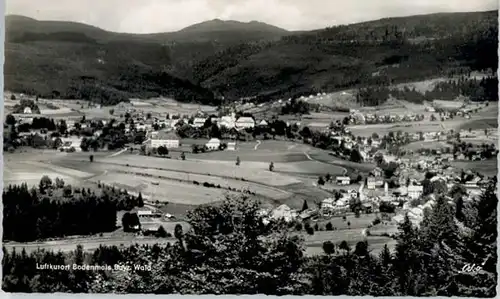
(486, 167)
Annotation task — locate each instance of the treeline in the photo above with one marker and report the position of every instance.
(230, 251)
(485, 89)
(58, 210)
(296, 107)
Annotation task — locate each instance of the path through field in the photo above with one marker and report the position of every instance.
(257, 145)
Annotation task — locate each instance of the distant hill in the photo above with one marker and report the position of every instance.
(228, 31)
(237, 59)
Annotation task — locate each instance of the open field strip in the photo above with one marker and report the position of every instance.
(88, 244)
(290, 168)
(486, 167)
(167, 191)
(31, 172)
(263, 175)
(225, 183)
(428, 144)
(384, 129)
(324, 157)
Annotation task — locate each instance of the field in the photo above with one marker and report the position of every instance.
(170, 181)
(165, 191)
(486, 167)
(384, 129)
(429, 145)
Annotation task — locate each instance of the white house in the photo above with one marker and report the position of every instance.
(145, 213)
(245, 122)
(263, 123)
(370, 183)
(213, 144)
(414, 191)
(198, 122)
(343, 180)
(227, 121)
(166, 139)
(231, 146)
(27, 110)
(68, 143)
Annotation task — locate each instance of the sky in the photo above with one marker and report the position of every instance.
(149, 16)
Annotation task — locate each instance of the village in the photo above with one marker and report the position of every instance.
(373, 182)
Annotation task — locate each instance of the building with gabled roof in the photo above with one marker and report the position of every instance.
(167, 139)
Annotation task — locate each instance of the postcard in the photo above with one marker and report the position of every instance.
(251, 147)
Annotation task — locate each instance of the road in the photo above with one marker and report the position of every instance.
(257, 145)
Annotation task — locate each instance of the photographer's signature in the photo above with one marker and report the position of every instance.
(473, 268)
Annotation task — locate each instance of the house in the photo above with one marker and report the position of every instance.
(327, 206)
(370, 183)
(283, 212)
(27, 110)
(245, 123)
(145, 214)
(231, 146)
(415, 191)
(377, 172)
(68, 143)
(343, 180)
(166, 139)
(263, 123)
(213, 144)
(227, 122)
(198, 122)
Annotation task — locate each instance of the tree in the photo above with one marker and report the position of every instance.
(329, 226)
(304, 206)
(162, 233)
(10, 120)
(361, 248)
(130, 221)
(328, 177)
(183, 156)
(178, 232)
(310, 230)
(91, 158)
(328, 247)
(321, 181)
(140, 201)
(356, 156)
(111, 111)
(59, 183)
(162, 150)
(67, 191)
(271, 166)
(238, 161)
(344, 246)
(45, 183)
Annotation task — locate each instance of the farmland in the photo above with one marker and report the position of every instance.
(486, 167)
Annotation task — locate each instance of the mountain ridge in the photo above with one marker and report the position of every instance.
(277, 64)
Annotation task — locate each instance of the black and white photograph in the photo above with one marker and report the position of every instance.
(251, 147)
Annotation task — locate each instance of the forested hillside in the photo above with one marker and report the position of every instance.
(201, 62)
(230, 251)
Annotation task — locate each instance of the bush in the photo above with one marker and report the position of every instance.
(329, 226)
(376, 221)
(316, 227)
(310, 230)
(328, 247)
(298, 227)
